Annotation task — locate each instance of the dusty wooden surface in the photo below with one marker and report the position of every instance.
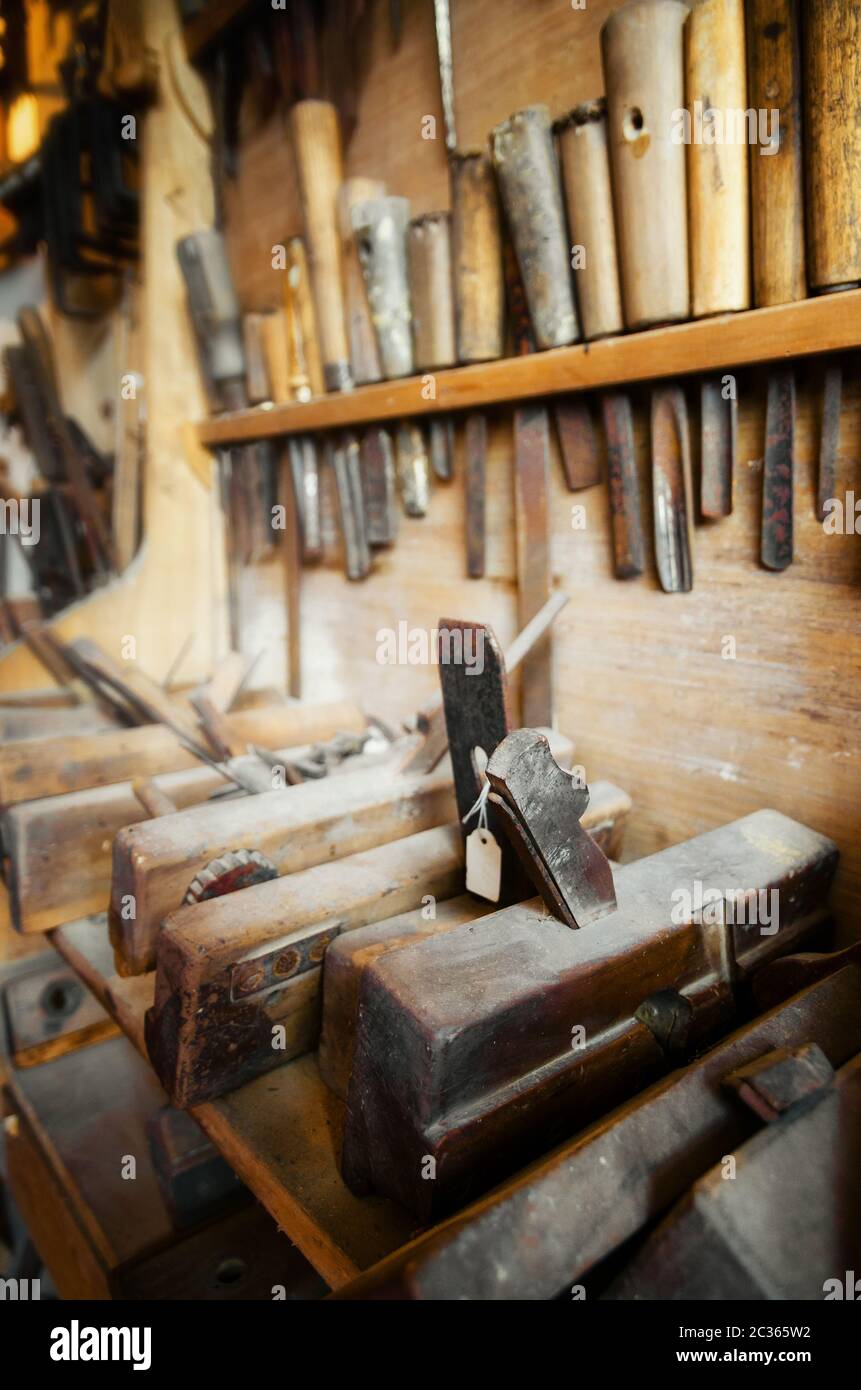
(291, 1166)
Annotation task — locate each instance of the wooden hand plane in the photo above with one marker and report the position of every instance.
(479, 1047)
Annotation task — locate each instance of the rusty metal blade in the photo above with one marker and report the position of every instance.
(778, 470)
(623, 485)
(348, 482)
(543, 805)
(476, 457)
(413, 474)
(578, 442)
(532, 529)
(829, 442)
(671, 489)
(304, 472)
(718, 432)
(378, 486)
(442, 447)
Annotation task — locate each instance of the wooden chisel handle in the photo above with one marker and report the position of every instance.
(832, 70)
(154, 801)
(364, 353)
(642, 53)
(317, 146)
(718, 217)
(776, 179)
(477, 258)
(589, 199)
(431, 293)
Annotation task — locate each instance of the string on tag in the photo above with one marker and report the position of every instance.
(480, 807)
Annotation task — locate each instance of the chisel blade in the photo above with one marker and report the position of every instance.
(623, 485)
(718, 432)
(829, 442)
(671, 489)
(476, 457)
(778, 470)
(304, 472)
(442, 448)
(413, 473)
(578, 442)
(379, 487)
(348, 482)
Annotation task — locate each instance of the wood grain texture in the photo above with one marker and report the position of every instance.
(589, 200)
(48, 767)
(727, 341)
(642, 49)
(832, 76)
(293, 1169)
(479, 297)
(718, 191)
(317, 147)
(777, 176)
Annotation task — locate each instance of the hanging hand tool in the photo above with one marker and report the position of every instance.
(672, 492)
(431, 297)
(624, 485)
(380, 229)
(642, 53)
(317, 148)
(479, 303)
(832, 49)
(777, 222)
(718, 222)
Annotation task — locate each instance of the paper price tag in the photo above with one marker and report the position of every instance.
(483, 865)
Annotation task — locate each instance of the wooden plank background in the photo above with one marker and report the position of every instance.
(642, 686)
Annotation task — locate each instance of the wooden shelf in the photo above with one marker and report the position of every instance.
(728, 341)
(280, 1133)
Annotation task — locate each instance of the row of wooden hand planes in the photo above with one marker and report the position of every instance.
(467, 1036)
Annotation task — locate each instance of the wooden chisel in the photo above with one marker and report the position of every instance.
(642, 52)
(777, 218)
(479, 303)
(718, 223)
(832, 75)
(429, 260)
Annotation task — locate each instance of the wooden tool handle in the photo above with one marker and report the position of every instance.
(303, 343)
(589, 199)
(431, 292)
(716, 95)
(258, 386)
(642, 53)
(832, 48)
(777, 217)
(154, 801)
(526, 168)
(479, 298)
(275, 351)
(364, 354)
(317, 145)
